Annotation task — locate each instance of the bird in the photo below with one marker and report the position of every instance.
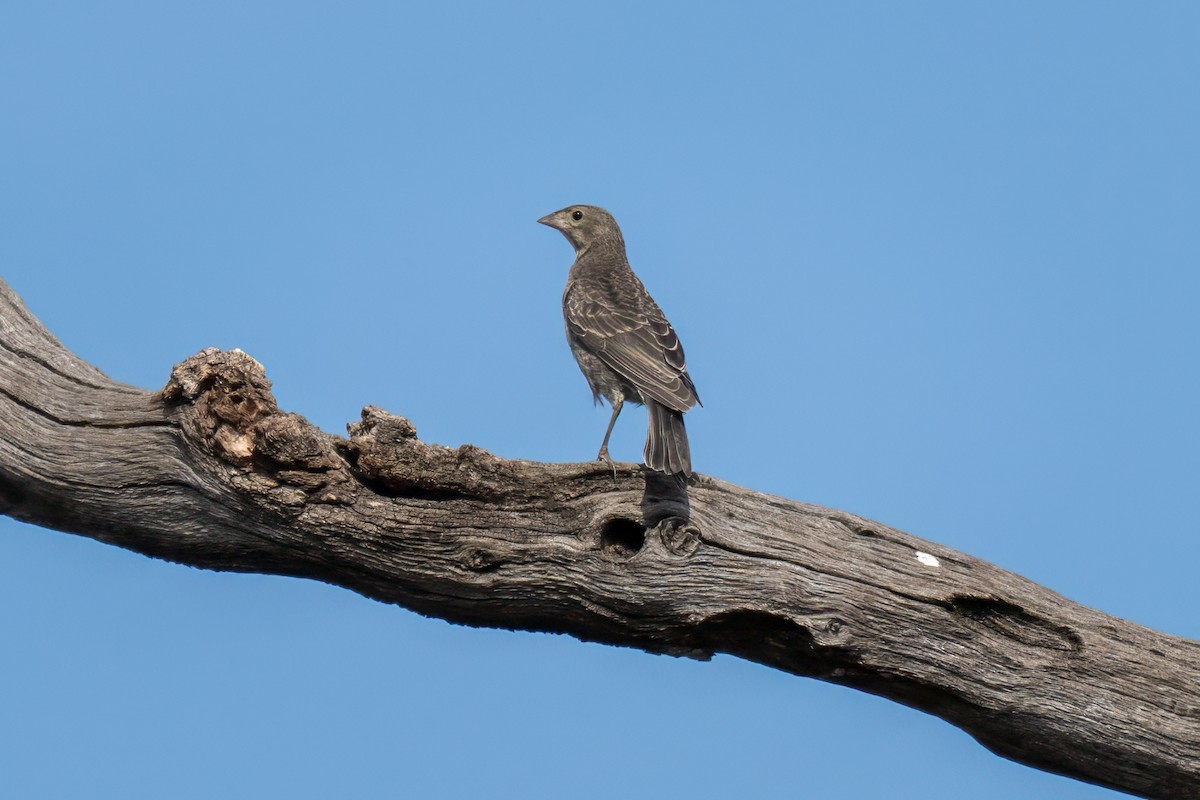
(622, 341)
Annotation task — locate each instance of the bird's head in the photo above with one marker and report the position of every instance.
(584, 225)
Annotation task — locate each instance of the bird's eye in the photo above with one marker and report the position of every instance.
(577, 215)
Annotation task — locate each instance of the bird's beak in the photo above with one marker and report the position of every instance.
(550, 219)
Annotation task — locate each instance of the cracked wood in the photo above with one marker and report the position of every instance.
(210, 472)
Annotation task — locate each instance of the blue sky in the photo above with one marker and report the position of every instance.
(933, 263)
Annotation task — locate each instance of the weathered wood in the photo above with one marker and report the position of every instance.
(209, 472)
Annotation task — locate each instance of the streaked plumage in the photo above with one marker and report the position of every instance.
(623, 343)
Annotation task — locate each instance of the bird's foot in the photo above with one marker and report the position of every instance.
(605, 458)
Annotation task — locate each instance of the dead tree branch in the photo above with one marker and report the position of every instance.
(209, 472)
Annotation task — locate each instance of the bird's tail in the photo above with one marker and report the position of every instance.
(667, 443)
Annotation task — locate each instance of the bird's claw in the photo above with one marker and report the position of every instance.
(604, 458)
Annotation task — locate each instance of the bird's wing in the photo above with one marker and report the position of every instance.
(622, 325)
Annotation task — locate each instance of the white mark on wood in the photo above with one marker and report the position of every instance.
(927, 559)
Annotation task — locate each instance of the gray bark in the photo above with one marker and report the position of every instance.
(209, 472)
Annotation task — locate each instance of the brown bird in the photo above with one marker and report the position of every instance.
(622, 341)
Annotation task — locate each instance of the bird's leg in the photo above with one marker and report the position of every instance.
(603, 454)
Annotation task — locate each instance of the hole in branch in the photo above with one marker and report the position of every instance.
(479, 560)
(622, 536)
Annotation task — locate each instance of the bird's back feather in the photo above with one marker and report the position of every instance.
(610, 314)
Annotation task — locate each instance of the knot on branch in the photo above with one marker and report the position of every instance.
(679, 537)
(212, 365)
(386, 454)
(235, 417)
(230, 393)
